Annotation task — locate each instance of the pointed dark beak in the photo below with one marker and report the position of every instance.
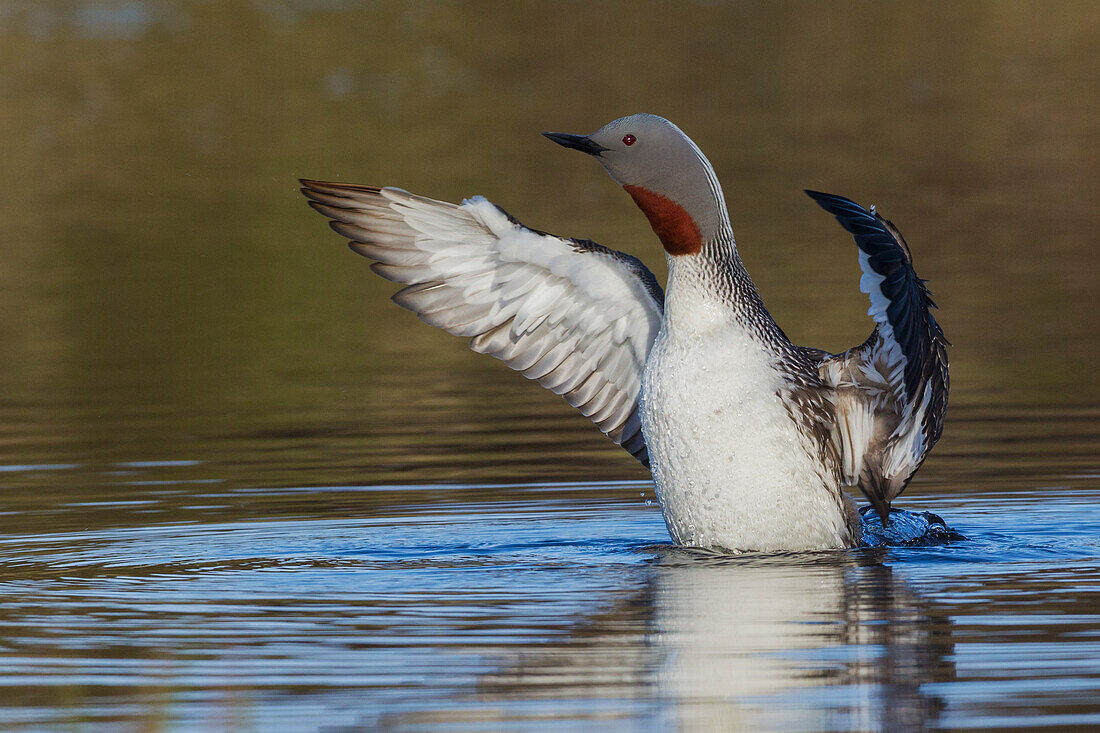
(582, 143)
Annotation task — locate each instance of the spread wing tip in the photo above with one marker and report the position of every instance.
(310, 188)
(321, 185)
(819, 195)
(842, 207)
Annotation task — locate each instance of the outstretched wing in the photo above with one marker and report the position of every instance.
(577, 317)
(891, 391)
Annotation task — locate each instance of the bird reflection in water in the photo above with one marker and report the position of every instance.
(737, 643)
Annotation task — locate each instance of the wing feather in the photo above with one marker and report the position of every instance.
(891, 391)
(578, 318)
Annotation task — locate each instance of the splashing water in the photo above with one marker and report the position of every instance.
(905, 529)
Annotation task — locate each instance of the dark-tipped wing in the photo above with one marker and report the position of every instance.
(577, 317)
(892, 389)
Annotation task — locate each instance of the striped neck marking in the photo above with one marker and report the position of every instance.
(675, 228)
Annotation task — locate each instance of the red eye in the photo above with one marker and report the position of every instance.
(629, 139)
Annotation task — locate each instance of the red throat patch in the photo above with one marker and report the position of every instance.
(675, 228)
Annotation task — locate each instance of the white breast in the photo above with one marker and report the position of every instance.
(732, 470)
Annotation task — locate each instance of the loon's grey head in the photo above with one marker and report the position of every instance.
(664, 172)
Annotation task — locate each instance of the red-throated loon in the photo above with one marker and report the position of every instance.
(750, 438)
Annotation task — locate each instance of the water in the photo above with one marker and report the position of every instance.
(177, 601)
(242, 490)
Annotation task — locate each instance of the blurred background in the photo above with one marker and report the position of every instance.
(166, 293)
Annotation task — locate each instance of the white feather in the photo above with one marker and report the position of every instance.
(581, 322)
